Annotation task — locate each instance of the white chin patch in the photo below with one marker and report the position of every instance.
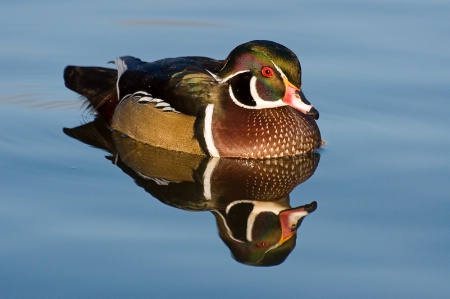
(260, 103)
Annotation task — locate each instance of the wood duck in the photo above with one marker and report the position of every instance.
(249, 105)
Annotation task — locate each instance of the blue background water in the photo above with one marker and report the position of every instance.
(74, 226)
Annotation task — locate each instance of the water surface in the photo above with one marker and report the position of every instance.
(73, 224)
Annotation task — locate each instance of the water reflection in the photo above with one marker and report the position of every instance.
(249, 198)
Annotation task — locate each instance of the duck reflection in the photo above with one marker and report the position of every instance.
(249, 198)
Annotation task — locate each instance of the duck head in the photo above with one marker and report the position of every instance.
(264, 74)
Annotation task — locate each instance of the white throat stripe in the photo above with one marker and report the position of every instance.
(260, 103)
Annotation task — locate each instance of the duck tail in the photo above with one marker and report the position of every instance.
(97, 85)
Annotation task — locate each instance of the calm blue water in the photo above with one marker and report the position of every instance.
(73, 225)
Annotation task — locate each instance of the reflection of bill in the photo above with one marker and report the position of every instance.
(248, 197)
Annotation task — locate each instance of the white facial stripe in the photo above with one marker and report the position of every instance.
(254, 91)
(230, 90)
(260, 103)
(214, 76)
(257, 209)
(259, 206)
(207, 131)
(229, 232)
(229, 77)
(279, 70)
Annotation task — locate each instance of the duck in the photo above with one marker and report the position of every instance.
(249, 105)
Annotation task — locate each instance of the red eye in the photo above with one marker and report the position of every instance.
(262, 244)
(267, 72)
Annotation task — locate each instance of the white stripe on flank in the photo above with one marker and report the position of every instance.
(207, 131)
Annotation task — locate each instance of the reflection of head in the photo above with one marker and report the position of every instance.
(251, 254)
(260, 233)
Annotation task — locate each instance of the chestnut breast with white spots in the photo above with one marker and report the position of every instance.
(264, 133)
